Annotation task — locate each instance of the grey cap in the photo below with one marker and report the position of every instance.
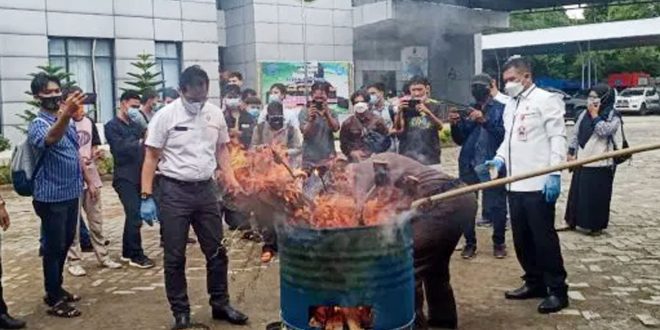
(481, 79)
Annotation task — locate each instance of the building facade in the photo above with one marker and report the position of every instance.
(97, 40)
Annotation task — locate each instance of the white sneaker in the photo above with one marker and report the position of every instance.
(77, 270)
(109, 263)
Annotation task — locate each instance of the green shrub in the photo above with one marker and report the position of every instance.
(4, 143)
(5, 174)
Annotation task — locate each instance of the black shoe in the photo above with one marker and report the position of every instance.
(230, 315)
(181, 321)
(526, 292)
(142, 262)
(8, 322)
(553, 304)
(469, 251)
(499, 251)
(191, 240)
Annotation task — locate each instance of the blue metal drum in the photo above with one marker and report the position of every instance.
(348, 267)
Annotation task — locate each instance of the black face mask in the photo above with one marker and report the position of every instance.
(51, 103)
(480, 92)
(276, 122)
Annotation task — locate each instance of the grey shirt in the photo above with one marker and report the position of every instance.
(319, 144)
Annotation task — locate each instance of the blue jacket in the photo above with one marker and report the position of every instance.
(479, 142)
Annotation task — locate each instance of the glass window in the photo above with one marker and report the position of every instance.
(91, 64)
(168, 60)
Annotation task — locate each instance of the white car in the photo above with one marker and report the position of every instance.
(642, 100)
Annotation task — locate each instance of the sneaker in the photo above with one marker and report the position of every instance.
(469, 252)
(76, 270)
(125, 259)
(109, 263)
(142, 262)
(499, 251)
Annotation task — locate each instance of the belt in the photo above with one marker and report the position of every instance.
(185, 183)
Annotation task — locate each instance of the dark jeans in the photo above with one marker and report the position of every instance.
(435, 238)
(181, 205)
(536, 241)
(3, 305)
(493, 204)
(85, 240)
(129, 195)
(58, 222)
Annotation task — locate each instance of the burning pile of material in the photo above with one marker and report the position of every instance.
(269, 182)
(340, 318)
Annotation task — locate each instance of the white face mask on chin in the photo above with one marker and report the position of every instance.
(514, 88)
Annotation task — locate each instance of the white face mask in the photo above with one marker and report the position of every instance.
(361, 107)
(192, 107)
(514, 88)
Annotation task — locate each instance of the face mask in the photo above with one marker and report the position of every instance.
(514, 88)
(480, 92)
(373, 99)
(274, 98)
(232, 103)
(135, 115)
(254, 111)
(276, 122)
(593, 101)
(360, 107)
(51, 103)
(192, 107)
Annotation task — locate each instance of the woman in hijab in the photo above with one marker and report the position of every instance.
(591, 187)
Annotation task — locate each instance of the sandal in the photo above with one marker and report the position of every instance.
(64, 310)
(66, 297)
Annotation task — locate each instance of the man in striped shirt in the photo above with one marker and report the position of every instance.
(57, 184)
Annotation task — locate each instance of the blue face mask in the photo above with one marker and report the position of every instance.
(254, 111)
(373, 99)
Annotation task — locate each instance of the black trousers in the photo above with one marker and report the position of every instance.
(3, 305)
(180, 205)
(436, 235)
(129, 195)
(58, 223)
(536, 241)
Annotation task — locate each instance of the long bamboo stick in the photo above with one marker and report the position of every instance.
(547, 170)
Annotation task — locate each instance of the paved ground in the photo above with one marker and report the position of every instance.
(614, 278)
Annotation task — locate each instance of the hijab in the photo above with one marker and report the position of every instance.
(607, 97)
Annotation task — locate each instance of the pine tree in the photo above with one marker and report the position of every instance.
(146, 77)
(66, 82)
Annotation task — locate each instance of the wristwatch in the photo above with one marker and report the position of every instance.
(145, 196)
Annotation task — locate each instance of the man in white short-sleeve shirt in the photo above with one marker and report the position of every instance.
(186, 142)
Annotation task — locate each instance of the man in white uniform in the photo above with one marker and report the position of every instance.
(535, 138)
(187, 142)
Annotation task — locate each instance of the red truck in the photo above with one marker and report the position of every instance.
(628, 79)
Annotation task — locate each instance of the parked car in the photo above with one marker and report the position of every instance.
(641, 100)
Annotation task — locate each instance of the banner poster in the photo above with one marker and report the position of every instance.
(292, 75)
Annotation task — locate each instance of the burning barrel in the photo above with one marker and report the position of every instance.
(355, 278)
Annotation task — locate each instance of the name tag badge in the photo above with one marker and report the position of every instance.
(245, 126)
(180, 128)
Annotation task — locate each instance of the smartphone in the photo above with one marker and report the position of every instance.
(318, 105)
(90, 98)
(411, 111)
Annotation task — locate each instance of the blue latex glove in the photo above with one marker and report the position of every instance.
(496, 162)
(148, 211)
(552, 188)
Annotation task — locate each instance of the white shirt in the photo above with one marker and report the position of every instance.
(535, 135)
(189, 142)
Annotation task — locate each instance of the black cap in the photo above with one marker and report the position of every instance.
(481, 79)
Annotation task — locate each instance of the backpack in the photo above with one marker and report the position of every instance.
(25, 164)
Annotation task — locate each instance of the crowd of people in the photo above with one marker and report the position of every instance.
(171, 152)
